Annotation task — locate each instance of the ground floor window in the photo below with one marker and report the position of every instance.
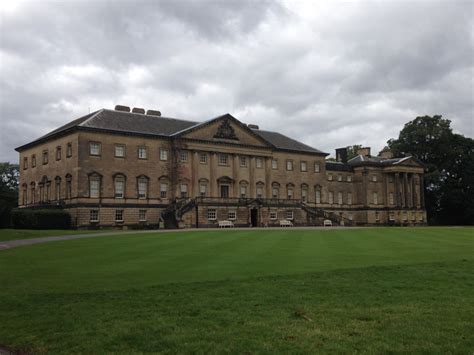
(232, 215)
(391, 216)
(118, 215)
(421, 218)
(289, 215)
(273, 215)
(142, 215)
(405, 216)
(377, 217)
(211, 214)
(94, 215)
(413, 217)
(350, 217)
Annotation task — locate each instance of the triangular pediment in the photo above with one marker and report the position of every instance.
(224, 129)
(410, 161)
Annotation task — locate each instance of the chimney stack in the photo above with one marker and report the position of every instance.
(153, 113)
(386, 153)
(365, 151)
(138, 110)
(341, 155)
(252, 126)
(122, 108)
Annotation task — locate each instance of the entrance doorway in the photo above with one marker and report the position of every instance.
(254, 217)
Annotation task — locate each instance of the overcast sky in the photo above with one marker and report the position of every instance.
(329, 74)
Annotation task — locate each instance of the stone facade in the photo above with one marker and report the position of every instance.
(123, 169)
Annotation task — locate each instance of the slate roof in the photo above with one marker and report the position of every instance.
(364, 160)
(337, 166)
(134, 123)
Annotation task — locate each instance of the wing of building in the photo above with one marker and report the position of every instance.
(125, 168)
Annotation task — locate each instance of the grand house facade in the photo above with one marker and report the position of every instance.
(125, 168)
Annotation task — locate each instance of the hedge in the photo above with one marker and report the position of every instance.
(41, 219)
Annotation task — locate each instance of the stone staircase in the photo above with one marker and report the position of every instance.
(321, 213)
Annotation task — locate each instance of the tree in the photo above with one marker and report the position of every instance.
(352, 151)
(9, 180)
(449, 167)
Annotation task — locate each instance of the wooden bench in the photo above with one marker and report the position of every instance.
(327, 223)
(285, 223)
(225, 224)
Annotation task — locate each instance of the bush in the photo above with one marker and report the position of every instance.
(41, 219)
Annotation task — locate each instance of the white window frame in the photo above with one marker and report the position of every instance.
(339, 177)
(290, 193)
(317, 168)
(375, 198)
(374, 178)
(118, 194)
(289, 215)
(119, 212)
(183, 189)
(243, 191)
(212, 214)
(275, 192)
(142, 215)
(94, 212)
(329, 177)
(274, 164)
(163, 154)
(95, 148)
(119, 147)
(349, 198)
(223, 159)
(339, 198)
(318, 196)
(259, 191)
(142, 153)
(232, 215)
(142, 195)
(259, 163)
(289, 165)
(203, 188)
(243, 162)
(163, 190)
(203, 158)
(303, 166)
(94, 187)
(273, 215)
(331, 197)
(183, 156)
(349, 178)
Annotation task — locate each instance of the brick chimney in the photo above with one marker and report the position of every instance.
(386, 153)
(364, 151)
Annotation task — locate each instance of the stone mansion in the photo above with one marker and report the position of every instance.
(126, 168)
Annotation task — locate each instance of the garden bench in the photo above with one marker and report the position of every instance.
(286, 223)
(225, 224)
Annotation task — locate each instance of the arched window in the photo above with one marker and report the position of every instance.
(259, 190)
(142, 187)
(24, 191)
(68, 186)
(33, 193)
(95, 180)
(184, 188)
(304, 192)
(289, 191)
(43, 189)
(275, 190)
(119, 185)
(203, 187)
(164, 183)
(57, 188)
(317, 190)
(243, 188)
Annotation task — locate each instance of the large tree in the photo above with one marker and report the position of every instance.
(9, 176)
(449, 163)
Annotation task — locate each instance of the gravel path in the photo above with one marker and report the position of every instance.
(23, 242)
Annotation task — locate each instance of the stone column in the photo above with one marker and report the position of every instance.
(252, 187)
(413, 191)
(365, 191)
(212, 175)
(405, 190)
(194, 174)
(268, 182)
(385, 188)
(235, 175)
(398, 201)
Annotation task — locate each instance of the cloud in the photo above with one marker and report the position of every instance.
(329, 74)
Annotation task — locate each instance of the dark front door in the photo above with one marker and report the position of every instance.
(254, 217)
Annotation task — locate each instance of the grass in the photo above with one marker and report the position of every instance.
(361, 290)
(13, 234)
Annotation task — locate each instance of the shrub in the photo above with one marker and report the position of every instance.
(41, 219)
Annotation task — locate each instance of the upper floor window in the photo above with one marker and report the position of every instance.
(330, 177)
(304, 193)
(289, 165)
(375, 198)
(259, 163)
(57, 188)
(68, 186)
(274, 164)
(25, 163)
(339, 198)
(163, 190)
(339, 177)
(203, 158)
(330, 197)
(142, 153)
(317, 167)
(203, 188)
(33, 160)
(318, 195)
(94, 148)
(58, 153)
(184, 190)
(163, 154)
(349, 198)
(142, 187)
(259, 190)
(243, 190)
(391, 198)
(223, 159)
(69, 150)
(119, 186)
(349, 178)
(303, 166)
(183, 156)
(374, 178)
(119, 151)
(289, 192)
(94, 186)
(45, 157)
(275, 191)
(243, 161)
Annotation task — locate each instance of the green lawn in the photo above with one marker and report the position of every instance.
(361, 290)
(12, 234)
